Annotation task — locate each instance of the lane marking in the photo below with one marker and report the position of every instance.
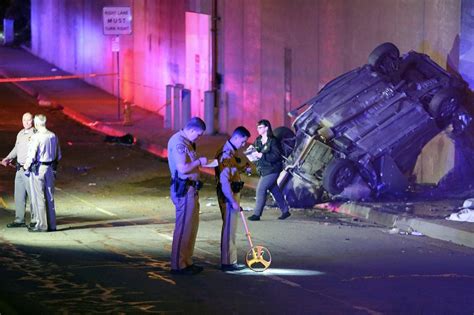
(87, 203)
(3, 204)
(284, 281)
(288, 282)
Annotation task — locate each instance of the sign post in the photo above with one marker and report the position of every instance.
(117, 21)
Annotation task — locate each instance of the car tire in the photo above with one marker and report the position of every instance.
(337, 175)
(286, 137)
(385, 59)
(299, 194)
(443, 105)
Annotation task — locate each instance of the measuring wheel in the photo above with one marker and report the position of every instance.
(258, 257)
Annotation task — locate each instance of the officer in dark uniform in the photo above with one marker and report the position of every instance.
(184, 167)
(229, 185)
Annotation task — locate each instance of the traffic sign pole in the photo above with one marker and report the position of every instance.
(117, 21)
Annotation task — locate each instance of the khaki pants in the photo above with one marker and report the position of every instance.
(186, 227)
(229, 229)
(22, 193)
(42, 197)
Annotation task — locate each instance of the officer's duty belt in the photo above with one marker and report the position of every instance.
(189, 183)
(195, 183)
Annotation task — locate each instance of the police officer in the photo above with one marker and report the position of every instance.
(22, 182)
(43, 156)
(184, 166)
(229, 185)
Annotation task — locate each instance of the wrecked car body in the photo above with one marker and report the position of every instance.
(368, 126)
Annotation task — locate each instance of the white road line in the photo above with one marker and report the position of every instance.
(284, 281)
(3, 204)
(281, 280)
(87, 203)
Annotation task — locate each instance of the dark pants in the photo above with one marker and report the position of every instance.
(269, 183)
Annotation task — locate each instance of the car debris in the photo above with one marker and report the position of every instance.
(466, 212)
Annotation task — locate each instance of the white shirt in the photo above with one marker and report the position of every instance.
(44, 147)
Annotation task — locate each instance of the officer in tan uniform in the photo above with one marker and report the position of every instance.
(229, 185)
(184, 166)
(43, 156)
(22, 182)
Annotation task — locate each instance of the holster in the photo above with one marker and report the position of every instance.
(180, 186)
(34, 168)
(236, 186)
(198, 185)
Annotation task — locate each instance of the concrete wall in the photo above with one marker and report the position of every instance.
(326, 39)
(322, 39)
(466, 43)
(70, 35)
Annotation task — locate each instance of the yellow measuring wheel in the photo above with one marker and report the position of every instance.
(258, 257)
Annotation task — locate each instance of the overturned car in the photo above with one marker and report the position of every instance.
(368, 126)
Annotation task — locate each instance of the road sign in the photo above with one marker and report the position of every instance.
(117, 20)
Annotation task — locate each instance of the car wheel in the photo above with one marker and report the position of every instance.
(286, 136)
(339, 174)
(385, 58)
(299, 194)
(443, 105)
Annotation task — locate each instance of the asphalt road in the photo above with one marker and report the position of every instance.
(115, 221)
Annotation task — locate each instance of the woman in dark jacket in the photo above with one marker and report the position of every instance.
(269, 165)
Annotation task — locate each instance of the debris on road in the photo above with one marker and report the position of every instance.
(466, 214)
(127, 139)
(394, 231)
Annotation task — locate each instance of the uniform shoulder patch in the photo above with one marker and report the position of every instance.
(180, 148)
(225, 158)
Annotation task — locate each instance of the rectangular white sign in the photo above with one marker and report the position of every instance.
(117, 20)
